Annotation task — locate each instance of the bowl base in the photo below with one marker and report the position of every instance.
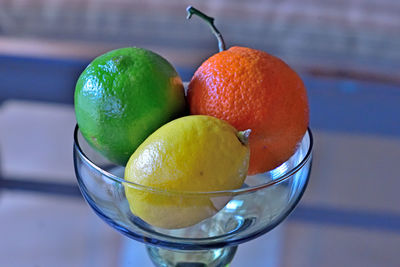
(220, 257)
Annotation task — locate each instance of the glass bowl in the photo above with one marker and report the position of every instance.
(234, 216)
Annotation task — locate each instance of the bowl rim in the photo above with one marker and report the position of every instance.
(286, 175)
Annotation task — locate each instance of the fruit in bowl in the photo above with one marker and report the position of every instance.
(252, 89)
(127, 105)
(188, 155)
(123, 96)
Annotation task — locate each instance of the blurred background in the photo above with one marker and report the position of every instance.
(347, 52)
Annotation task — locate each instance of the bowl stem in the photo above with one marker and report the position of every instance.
(162, 257)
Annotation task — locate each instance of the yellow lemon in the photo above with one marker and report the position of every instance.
(187, 155)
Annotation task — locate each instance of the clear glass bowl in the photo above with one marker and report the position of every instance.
(263, 202)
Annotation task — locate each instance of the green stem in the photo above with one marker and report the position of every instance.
(193, 11)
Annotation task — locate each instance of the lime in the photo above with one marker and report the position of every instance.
(189, 154)
(123, 96)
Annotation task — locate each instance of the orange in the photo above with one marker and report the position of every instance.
(252, 89)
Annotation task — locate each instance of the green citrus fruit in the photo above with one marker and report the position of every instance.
(123, 96)
(190, 154)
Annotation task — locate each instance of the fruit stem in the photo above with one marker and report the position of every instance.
(244, 136)
(193, 11)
